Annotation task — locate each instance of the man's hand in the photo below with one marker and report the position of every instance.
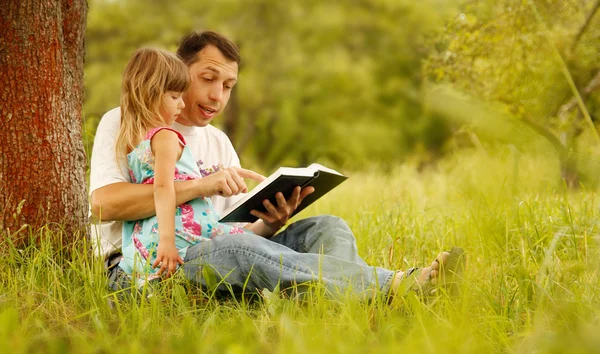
(168, 258)
(230, 181)
(276, 217)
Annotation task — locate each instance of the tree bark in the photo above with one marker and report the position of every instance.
(42, 160)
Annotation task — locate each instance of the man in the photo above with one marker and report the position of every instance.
(320, 248)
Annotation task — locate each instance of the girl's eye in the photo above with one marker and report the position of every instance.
(208, 79)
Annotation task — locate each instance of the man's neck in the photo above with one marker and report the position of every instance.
(184, 129)
(183, 121)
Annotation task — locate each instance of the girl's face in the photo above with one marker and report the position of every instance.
(171, 106)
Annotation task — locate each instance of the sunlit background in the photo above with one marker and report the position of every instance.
(373, 84)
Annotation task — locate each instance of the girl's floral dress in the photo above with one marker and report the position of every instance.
(194, 221)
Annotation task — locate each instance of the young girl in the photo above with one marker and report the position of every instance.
(151, 100)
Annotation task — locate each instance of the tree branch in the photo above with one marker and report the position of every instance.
(592, 86)
(548, 135)
(586, 24)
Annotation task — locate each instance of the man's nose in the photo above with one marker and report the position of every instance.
(216, 94)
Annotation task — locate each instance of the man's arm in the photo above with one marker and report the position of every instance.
(113, 197)
(127, 201)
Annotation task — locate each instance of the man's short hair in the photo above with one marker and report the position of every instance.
(194, 42)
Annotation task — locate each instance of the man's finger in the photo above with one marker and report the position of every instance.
(233, 185)
(239, 181)
(270, 208)
(294, 199)
(261, 215)
(305, 192)
(244, 173)
(281, 203)
(225, 191)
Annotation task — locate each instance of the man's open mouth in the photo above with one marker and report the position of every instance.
(207, 110)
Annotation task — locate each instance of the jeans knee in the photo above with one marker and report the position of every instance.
(331, 231)
(221, 254)
(330, 222)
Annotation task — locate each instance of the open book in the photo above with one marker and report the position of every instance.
(284, 180)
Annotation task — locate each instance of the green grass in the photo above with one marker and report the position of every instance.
(532, 281)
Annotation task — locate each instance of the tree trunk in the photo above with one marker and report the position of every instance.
(42, 160)
(569, 170)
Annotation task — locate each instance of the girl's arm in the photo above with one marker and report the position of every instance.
(167, 150)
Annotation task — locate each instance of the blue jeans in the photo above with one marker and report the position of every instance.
(318, 249)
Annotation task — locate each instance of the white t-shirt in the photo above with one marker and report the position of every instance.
(211, 148)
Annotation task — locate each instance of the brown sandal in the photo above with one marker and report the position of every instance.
(450, 271)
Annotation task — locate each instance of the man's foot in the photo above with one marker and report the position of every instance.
(444, 271)
(112, 260)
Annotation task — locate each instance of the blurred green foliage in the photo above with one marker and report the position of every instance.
(530, 59)
(329, 81)
(348, 83)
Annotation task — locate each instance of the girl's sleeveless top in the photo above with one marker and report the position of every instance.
(195, 221)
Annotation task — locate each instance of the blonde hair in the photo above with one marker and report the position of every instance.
(150, 73)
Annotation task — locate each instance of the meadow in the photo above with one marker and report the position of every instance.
(531, 283)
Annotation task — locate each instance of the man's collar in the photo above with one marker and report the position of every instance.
(185, 129)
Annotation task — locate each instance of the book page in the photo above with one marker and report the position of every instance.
(319, 167)
(295, 171)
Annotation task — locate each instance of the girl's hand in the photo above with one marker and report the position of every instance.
(168, 258)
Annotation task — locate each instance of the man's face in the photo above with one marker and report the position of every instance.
(213, 77)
